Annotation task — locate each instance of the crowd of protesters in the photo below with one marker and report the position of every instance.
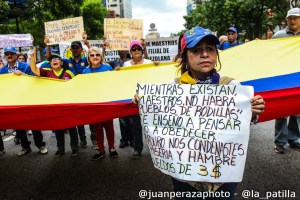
(197, 46)
(60, 68)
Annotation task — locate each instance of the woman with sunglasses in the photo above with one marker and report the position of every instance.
(136, 51)
(198, 66)
(133, 122)
(96, 65)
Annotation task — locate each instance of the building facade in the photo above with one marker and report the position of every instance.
(121, 8)
(190, 5)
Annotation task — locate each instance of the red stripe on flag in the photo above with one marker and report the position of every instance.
(59, 116)
(280, 103)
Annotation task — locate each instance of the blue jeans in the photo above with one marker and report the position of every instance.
(287, 131)
(180, 186)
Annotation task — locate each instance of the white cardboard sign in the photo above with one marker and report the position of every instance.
(197, 132)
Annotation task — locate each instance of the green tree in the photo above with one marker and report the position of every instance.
(249, 16)
(93, 13)
(4, 10)
(34, 14)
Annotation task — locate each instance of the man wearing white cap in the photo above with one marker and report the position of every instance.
(293, 28)
(288, 131)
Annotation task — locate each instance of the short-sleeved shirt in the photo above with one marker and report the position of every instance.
(76, 67)
(284, 33)
(101, 68)
(146, 61)
(47, 72)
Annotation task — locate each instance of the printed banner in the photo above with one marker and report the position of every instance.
(15, 40)
(162, 49)
(197, 132)
(69, 29)
(119, 32)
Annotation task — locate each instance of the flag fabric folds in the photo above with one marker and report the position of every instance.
(27, 102)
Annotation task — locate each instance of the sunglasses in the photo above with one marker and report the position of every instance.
(136, 49)
(9, 54)
(55, 59)
(95, 55)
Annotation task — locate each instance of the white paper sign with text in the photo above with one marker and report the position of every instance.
(197, 132)
(162, 49)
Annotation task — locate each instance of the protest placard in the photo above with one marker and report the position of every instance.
(197, 132)
(69, 29)
(15, 40)
(119, 32)
(65, 50)
(162, 49)
(159, 49)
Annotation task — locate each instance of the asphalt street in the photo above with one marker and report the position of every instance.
(41, 177)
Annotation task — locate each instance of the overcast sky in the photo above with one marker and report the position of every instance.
(167, 15)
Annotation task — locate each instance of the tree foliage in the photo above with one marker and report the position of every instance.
(34, 13)
(248, 16)
(93, 13)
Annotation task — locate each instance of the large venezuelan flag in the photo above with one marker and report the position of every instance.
(272, 67)
(26, 102)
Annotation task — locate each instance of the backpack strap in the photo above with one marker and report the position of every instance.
(225, 80)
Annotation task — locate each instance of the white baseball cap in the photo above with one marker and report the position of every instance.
(293, 12)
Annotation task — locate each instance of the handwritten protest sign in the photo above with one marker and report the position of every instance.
(162, 49)
(197, 132)
(15, 40)
(119, 32)
(70, 29)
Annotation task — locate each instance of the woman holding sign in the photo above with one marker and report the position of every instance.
(199, 55)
